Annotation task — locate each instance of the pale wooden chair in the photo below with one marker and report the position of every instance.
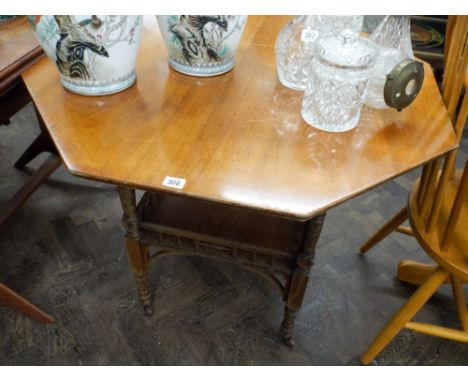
(438, 214)
(454, 56)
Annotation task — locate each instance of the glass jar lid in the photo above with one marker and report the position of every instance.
(346, 50)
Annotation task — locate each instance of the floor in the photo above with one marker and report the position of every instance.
(64, 251)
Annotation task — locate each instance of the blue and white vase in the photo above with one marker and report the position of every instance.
(202, 45)
(7, 17)
(95, 54)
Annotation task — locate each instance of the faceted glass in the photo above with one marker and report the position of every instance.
(394, 32)
(333, 100)
(387, 60)
(338, 81)
(335, 24)
(294, 50)
(394, 38)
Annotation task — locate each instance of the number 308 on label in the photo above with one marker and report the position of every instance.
(172, 182)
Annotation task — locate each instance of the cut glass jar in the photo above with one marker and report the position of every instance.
(338, 81)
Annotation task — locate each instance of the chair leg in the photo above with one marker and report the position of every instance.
(24, 306)
(459, 297)
(39, 177)
(386, 230)
(414, 272)
(405, 314)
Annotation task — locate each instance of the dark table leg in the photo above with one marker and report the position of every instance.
(42, 143)
(300, 276)
(39, 177)
(14, 100)
(137, 253)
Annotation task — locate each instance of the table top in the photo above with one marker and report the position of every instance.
(19, 48)
(237, 138)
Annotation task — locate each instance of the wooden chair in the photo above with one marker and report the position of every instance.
(438, 215)
(453, 81)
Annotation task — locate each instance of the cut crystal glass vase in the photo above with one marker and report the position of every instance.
(394, 32)
(336, 24)
(394, 39)
(294, 50)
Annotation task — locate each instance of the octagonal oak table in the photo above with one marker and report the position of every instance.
(230, 169)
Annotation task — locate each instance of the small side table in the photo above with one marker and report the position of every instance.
(253, 180)
(19, 49)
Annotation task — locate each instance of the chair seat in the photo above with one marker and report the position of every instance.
(455, 258)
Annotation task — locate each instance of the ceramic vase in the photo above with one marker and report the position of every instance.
(95, 55)
(7, 17)
(202, 45)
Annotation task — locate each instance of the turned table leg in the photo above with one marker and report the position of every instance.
(300, 276)
(137, 253)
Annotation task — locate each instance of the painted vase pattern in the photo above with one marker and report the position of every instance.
(202, 45)
(7, 17)
(95, 54)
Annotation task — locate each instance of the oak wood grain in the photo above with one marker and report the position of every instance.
(237, 138)
(19, 48)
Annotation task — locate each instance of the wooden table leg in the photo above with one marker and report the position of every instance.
(12, 100)
(19, 303)
(300, 277)
(39, 177)
(41, 144)
(137, 253)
